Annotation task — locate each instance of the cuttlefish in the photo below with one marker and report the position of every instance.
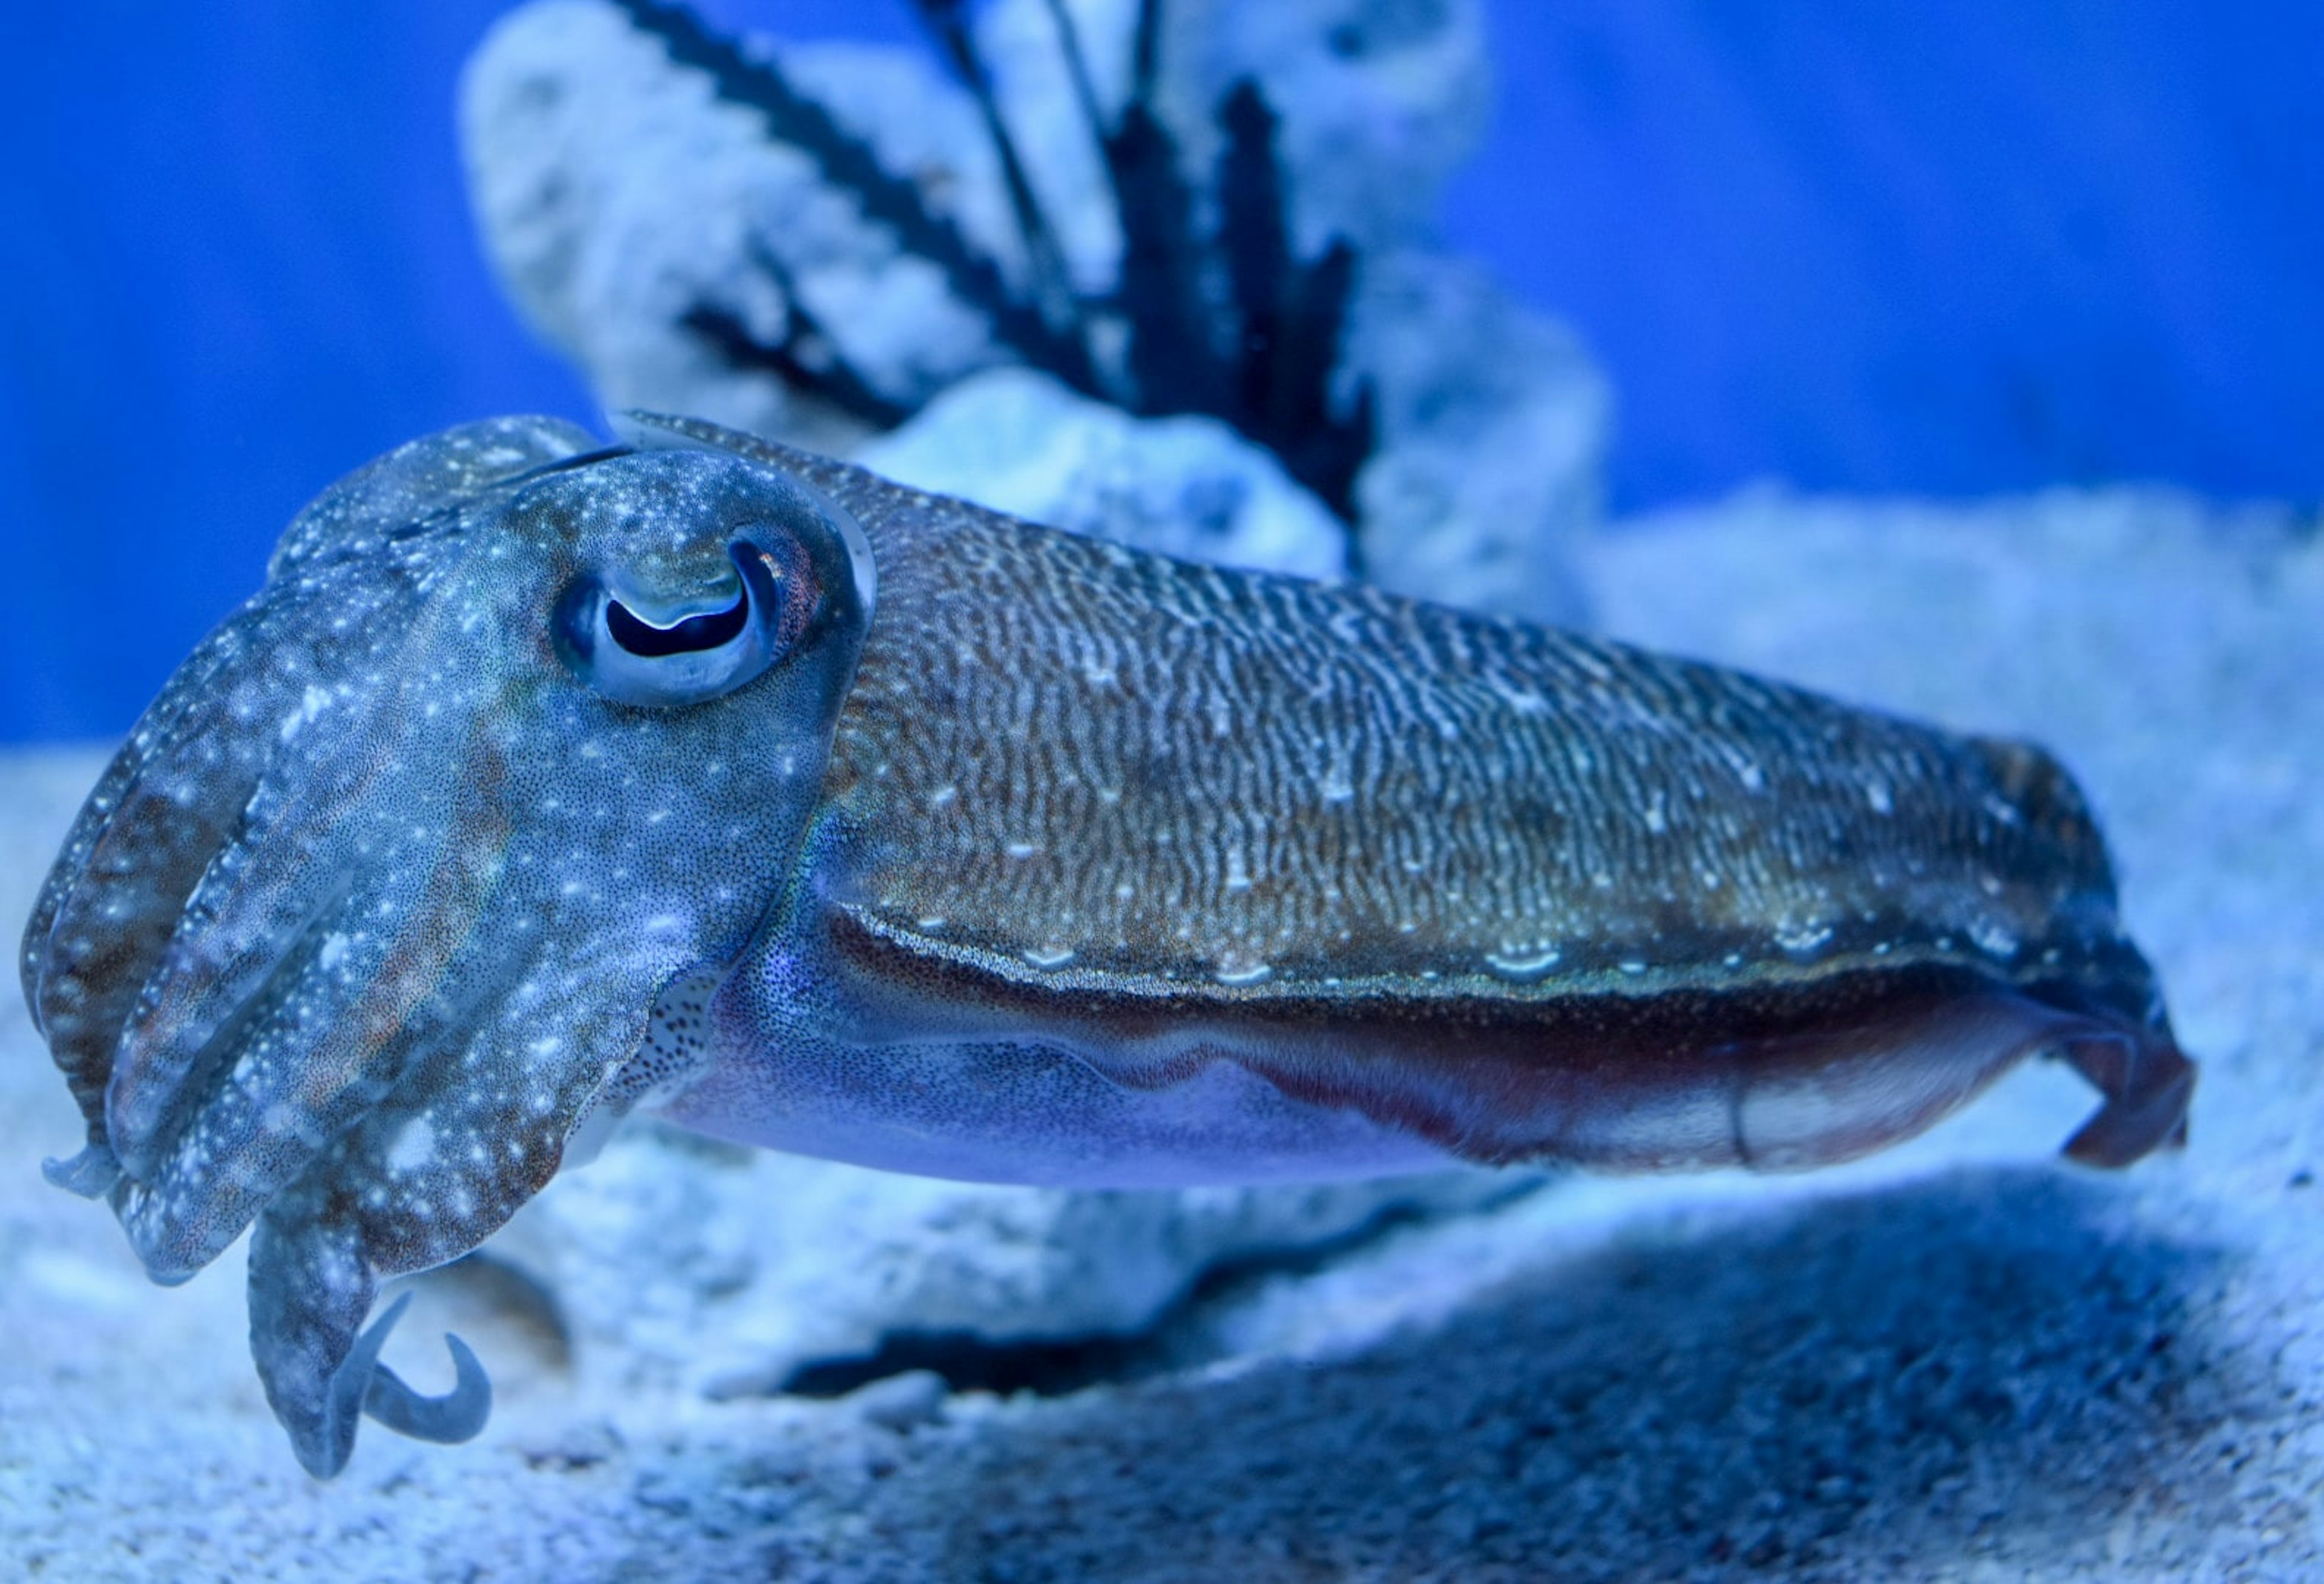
(546, 780)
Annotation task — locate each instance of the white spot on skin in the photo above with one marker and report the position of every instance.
(1237, 976)
(414, 1147)
(1994, 937)
(1238, 870)
(1796, 938)
(312, 704)
(334, 952)
(1022, 849)
(1522, 964)
(1876, 793)
(1338, 784)
(1051, 956)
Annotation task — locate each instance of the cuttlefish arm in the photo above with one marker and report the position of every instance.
(543, 781)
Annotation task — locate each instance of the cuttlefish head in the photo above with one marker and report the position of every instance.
(381, 890)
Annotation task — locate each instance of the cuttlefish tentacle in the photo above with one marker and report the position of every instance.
(302, 1294)
(544, 781)
(458, 1415)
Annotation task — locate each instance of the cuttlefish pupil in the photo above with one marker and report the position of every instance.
(642, 636)
(717, 778)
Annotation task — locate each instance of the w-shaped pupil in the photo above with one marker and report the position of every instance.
(710, 629)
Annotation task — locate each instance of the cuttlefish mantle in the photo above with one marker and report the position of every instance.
(544, 780)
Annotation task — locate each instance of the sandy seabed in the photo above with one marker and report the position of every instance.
(1963, 1360)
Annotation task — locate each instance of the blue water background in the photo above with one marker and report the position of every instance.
(1939, 248)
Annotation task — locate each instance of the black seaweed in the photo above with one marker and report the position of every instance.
(1232, 325)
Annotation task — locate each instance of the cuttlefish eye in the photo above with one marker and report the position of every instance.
(640, 647)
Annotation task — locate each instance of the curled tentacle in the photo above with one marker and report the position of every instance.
(458, 1415)
(419, 1183)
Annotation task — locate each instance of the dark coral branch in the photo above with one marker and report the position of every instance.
(805, 359)
(1172, 359)
(1327, 459)
(726, 332)
(1069, 46)
(1146, 53)
(1254, 237)
(849, 163)
(947, 22)
(1322, 451)
(1308, 349)
(1292, 320)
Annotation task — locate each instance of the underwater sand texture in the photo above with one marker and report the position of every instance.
(1963, 1359)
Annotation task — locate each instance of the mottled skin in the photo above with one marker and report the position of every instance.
(1003, 854)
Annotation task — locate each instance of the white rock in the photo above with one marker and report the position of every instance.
(1493, 422)
(615, 194)
(707, 1268)
(1019, 442)
(1381, 101)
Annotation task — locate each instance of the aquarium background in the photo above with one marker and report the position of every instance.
(1966, 367)
(1922, 250)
